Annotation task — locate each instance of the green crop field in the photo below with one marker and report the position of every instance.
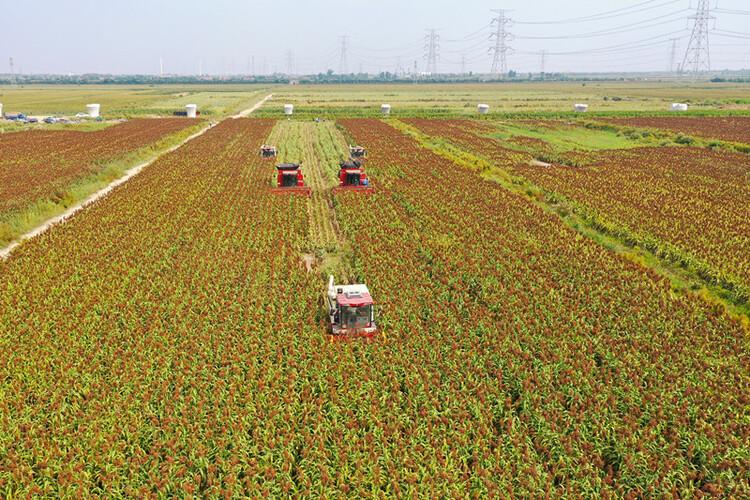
(509, 98)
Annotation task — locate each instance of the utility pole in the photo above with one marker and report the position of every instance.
(13, 81)
(161, 66)
(672, 54)
(200, 68)
(697, 58)
(415, 74)
(432, 49)
(543, 58)
(253, 65)
(342, 59)
(502, 37)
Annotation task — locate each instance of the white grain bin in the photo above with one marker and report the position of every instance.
(483, 108)
(678, 106)
(93, 110)
(385, 109)
(288, 109)
(191, 110)
(1, 111)
(580, 108)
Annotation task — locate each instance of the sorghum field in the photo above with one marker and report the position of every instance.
(169, 339)
(40, 164)
(686, 203)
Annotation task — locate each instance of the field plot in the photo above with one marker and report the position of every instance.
(125, 100)
(686, 204)
(47, 167)
(148, 345)
(168, 341)
(727, 128)
(549, 363)
(509, 98)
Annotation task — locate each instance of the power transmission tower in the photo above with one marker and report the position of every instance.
(432, 49)
(672, 54)
(342, 60)
(289, 62)
(463, 64)
(543, 57)
(13, 81)
(502, 37)
(696, 57)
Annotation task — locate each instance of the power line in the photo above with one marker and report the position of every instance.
(502, 37)
(13, 81)
(604, 15)
(697, 57)
(737, 12)
(289, 62)
(432, 49)
(672, 54)
(342, 58)
(614, 48)
(614, 30)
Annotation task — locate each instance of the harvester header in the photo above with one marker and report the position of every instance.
(352, 177)
(289, 179)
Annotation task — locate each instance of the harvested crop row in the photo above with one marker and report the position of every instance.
(533, 360)
(38, 164)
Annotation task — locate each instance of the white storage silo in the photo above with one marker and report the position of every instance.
(191, 109)
(483, 108)
(93, 110)
(288, 109)
(1, 111)
(385, 109)
(678, 106)
(580, 108)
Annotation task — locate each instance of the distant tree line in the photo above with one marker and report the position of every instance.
(331, 77)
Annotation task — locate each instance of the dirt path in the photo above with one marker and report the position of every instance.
(104, 191)
(99, 194)
(252, 108)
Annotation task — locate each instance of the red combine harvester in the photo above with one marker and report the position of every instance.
(352, 177)
(290, 180)
(268, 151)
(357, 153)
(351, 311)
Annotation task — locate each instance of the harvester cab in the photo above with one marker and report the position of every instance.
(289, 179)
(268, 151)
(357, 153)
(352, 177)
(351, 311)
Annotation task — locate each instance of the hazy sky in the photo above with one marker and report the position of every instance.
(242, 37)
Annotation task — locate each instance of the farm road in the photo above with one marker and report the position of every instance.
(104, 191)
(252, 108)
(99, 194)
